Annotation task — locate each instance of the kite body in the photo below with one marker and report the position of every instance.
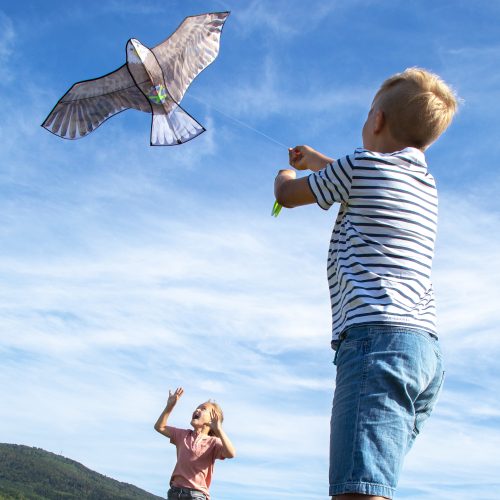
(152, 80)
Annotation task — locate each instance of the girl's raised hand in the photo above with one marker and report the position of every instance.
(173, 398)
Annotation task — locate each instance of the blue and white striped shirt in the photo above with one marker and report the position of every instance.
(382, 245)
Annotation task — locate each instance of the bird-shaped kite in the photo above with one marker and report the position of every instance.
(152, 80)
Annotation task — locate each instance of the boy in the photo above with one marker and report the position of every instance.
(389, 366)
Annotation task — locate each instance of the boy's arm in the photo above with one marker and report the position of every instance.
(228, 450)
(161, 423)
(292, 192)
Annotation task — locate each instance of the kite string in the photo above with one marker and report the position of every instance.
(239, 122)
(276, 207)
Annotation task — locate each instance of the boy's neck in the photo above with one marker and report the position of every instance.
(377, 135)
(387, 144)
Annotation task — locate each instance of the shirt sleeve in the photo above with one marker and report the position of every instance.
(218, 447)
(333, 183)
(176, 434)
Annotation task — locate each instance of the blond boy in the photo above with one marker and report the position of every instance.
(389, 363)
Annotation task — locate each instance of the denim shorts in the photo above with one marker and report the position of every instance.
(388, 380)
(176, 493)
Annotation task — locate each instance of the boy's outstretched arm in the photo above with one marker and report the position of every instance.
(161, 423)
(228, 450)
(292, 192)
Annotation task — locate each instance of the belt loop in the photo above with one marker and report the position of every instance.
(336, 354)
(342, 336)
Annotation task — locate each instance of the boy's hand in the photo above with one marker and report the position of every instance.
(296, 158)
(173, 398)
(215, 423)
(306, 158)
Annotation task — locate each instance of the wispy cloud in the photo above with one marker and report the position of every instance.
(270, 94)
(7, 44)
(284, 19)
(470, 66)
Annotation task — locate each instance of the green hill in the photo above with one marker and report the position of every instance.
(33, 474)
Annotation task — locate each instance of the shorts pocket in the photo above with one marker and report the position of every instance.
(422, 414)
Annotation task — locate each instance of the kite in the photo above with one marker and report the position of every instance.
(152, 80)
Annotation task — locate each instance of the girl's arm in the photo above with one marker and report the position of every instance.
(161, 423)
(228, 450)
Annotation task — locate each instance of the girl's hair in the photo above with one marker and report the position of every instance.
(418, 106)
(217, 409)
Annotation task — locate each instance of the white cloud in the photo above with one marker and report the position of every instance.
(468, 67)
(7, 44)
(466, 279)
(283, 19)
(270, 94)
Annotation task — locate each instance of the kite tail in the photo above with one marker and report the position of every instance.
(173, 128)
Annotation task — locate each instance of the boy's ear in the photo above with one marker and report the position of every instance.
(379, 122)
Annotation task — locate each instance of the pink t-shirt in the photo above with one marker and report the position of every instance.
(196, 454)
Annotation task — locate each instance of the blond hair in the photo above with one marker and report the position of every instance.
(418, 106)
(217, 409)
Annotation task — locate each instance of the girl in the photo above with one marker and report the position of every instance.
(197, 449)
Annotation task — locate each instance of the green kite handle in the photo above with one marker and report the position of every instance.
(276, 209)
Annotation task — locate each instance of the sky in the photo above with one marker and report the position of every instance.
(128, 270)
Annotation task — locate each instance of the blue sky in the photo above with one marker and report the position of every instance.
(127, 270)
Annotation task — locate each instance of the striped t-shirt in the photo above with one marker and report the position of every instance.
(382, 245)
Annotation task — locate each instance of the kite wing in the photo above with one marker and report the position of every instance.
(89, 103)
(189, 50)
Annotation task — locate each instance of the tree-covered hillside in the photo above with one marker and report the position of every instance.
(33, 474)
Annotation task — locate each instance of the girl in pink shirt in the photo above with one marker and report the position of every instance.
(197, 449)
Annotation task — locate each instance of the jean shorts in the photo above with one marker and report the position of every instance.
(388, 380)
(176, 493)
